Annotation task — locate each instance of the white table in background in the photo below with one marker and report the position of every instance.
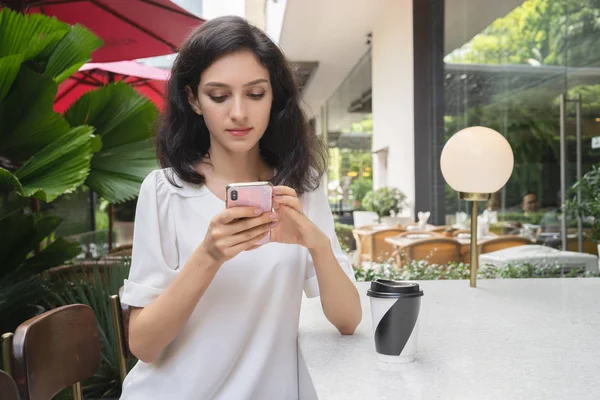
(508, 339)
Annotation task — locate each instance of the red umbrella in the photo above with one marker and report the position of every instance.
(130, 29)
(147, 80)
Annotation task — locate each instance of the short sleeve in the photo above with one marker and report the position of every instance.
(154, 258)
(318, 211)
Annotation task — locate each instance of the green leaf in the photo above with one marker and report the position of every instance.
(117, 175)
(9, 69)
(60, 167)
(9, 182)
(27, 121)
(123, 120)
(30, 34)
(71, 53)
(119, 113)
(55, 254)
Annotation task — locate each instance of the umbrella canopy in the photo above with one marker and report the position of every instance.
(147, 80)
(130, 29)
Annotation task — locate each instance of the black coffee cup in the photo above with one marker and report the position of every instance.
(395, 307)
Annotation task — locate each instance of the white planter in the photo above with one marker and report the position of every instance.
(363, 218)
(389, 221)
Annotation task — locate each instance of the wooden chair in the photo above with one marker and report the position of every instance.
(373, 247)
(55, 350)
(589, 246)
(430, 234)
(120, 318)
(502, 242)
(460, 232)
(8, 387)
(435, 250)
(121, 251)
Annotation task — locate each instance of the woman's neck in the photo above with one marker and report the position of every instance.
(225, 166)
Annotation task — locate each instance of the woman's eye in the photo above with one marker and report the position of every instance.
(218, 99)
(256, 96)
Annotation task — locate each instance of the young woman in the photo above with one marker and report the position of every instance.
(214, 314)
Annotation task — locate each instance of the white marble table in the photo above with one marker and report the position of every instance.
(508, 339)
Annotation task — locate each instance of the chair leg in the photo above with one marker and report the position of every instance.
(7, 342)
(77, 392)
(117, 319)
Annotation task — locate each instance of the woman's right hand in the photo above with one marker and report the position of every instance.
(234, 230)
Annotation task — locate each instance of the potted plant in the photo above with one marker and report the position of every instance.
(359, 189)
(589, 207)
(386, 202)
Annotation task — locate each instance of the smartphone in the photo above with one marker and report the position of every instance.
(251, 194)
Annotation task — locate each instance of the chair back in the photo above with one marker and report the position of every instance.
(438, 250)
(502, 242)
(382, 250)
(8, 387)
(55, 350)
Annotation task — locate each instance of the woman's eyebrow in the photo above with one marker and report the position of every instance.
(224, 85)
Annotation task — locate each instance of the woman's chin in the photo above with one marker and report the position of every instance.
(241, 146)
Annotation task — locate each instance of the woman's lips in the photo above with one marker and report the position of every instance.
(239, 131)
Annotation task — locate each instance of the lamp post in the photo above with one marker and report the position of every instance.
(476, 162)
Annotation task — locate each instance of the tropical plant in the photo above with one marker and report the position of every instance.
(41, 155)
(95, 292)
(385, 201)
(104, 141)
(589, 207)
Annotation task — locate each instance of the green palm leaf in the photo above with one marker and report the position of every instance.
(54, 255)
(21, 234)
(117, 173)
(58, 168)
(71, 53)
(29, 34)
(9, 69)
(27, 122)
(123, 120)
(9, 182)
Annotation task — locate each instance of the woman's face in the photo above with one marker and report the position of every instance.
(234, 96)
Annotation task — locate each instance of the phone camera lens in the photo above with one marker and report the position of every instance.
(234, 195)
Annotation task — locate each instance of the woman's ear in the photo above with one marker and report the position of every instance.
(193, 101)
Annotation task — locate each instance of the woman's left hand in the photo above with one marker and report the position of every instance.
(293, 227)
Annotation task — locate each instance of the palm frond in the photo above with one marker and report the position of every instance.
(27, 121)
(58, 168)
(71, 53)
(30, 34)
(124, 121)
(9, 69)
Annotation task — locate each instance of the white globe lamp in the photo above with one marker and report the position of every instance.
(476, 162)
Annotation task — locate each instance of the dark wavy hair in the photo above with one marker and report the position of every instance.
(288, 144)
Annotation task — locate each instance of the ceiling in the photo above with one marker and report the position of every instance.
(335, 35)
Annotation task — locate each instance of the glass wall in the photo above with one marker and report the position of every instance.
(349, 133)
(506, 67)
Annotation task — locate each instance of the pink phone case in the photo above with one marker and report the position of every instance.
(253, 194)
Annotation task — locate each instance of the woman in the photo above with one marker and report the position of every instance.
(214, 315)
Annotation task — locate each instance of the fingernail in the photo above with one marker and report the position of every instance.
(274, 216)
(274, 224)
(258, 211)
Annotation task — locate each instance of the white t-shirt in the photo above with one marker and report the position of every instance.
(241, 340)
